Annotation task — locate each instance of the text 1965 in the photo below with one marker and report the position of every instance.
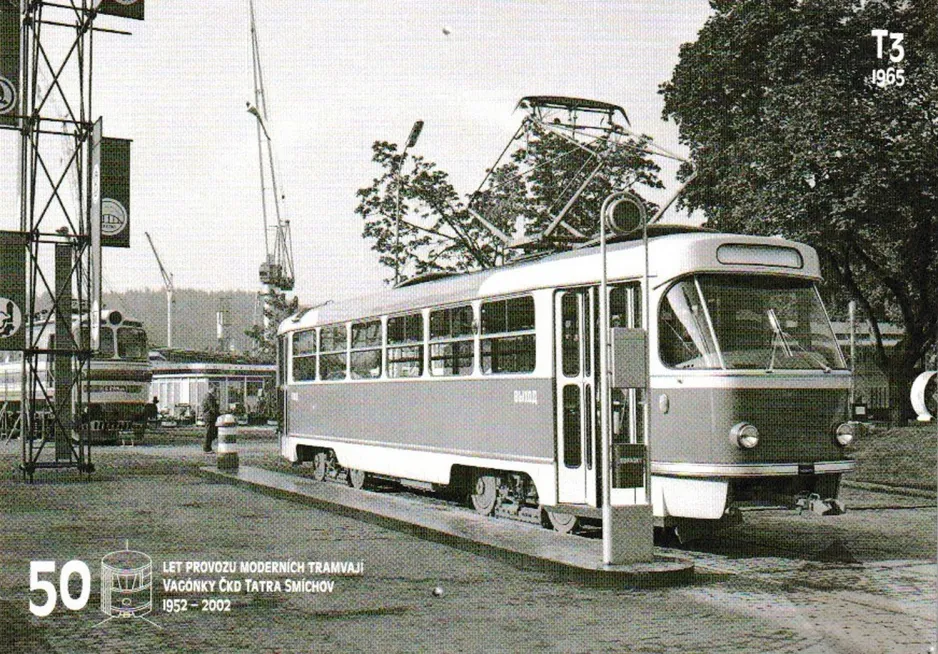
(883, 77)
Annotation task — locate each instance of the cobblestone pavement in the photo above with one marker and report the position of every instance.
(861, 582)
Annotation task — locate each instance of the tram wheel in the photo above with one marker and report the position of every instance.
(320, 465)
(357, 478)
(564, 523)
(484, 493)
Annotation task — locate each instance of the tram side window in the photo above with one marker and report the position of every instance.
(333, 352)
(405, 346)
(304, 355)
(451, 336)
(508, 343)
(366, 350)
(625, 305)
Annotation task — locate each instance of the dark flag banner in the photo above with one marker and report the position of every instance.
(124, 8)
(12, 290)
(115, 193)
(9, 62)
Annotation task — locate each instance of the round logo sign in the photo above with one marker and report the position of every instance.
(11, 318)
(113, 217)
(7, 96)
(126, 3)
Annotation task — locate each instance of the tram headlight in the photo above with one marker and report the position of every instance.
(744, 436)
(846, 432)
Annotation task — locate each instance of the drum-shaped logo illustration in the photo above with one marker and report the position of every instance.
(126, 584)
(113, 217)
(11, 318)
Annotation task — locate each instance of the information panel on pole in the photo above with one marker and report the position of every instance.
(9, 63)
(123, 8)
(12, 290)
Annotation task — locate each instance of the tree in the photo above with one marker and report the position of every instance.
(276, 309)
(791, 136)
(437, 232)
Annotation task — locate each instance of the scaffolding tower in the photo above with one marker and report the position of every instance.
(60, 214)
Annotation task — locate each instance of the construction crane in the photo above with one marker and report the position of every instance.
(168, 284)
(276, 271)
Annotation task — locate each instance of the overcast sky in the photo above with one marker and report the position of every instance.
(340, 75)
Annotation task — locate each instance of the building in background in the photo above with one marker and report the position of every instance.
(871, 385)
(182, 378)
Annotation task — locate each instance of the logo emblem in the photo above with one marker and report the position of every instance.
(7, 96)
(11, 318)
(126, 3)
(114, 217)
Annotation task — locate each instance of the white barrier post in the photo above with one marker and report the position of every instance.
(227, 442)
(920, 400)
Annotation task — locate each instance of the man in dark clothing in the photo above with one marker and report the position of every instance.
(152, 411)
(210, 415)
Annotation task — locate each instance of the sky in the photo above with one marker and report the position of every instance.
(338, 76)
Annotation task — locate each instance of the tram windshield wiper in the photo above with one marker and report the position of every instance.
(786, 341)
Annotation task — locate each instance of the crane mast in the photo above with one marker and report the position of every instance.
(276, 271)
(168, 284)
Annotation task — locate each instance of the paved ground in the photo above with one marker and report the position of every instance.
(862, 582)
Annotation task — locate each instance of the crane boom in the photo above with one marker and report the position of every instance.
(276, 271)
(168, 284)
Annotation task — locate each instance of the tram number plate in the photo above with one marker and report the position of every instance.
(805, 468)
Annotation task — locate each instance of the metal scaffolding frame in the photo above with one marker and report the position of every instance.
(55, 390)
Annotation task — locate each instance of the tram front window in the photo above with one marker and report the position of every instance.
(760, 323)
(132, 344)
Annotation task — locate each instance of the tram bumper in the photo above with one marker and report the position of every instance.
(707, 491)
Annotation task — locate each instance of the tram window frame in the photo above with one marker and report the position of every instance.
(508, 334)
(675, 340)
(404, 347)
(334, 352)
(365, 350)
(452, 341)
(305, 356)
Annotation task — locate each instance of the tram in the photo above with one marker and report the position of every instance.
(119, 378)
(486, 384)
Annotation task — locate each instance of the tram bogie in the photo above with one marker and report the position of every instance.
(488, 383)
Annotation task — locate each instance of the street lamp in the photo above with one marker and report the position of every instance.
(411, 142)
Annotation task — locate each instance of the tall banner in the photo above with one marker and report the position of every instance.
(94, 218)
(124, 8)
(115, 193)
(9, 62)
(12, 290)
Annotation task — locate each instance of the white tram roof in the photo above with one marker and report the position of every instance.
(670, 256)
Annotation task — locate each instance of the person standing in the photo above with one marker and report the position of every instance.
(152, 411)
(210, 415)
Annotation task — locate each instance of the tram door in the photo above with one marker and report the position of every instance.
(575, 355)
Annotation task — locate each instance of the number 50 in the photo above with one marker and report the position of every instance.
(71, 603)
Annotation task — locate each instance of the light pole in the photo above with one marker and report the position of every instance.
(411, 142)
